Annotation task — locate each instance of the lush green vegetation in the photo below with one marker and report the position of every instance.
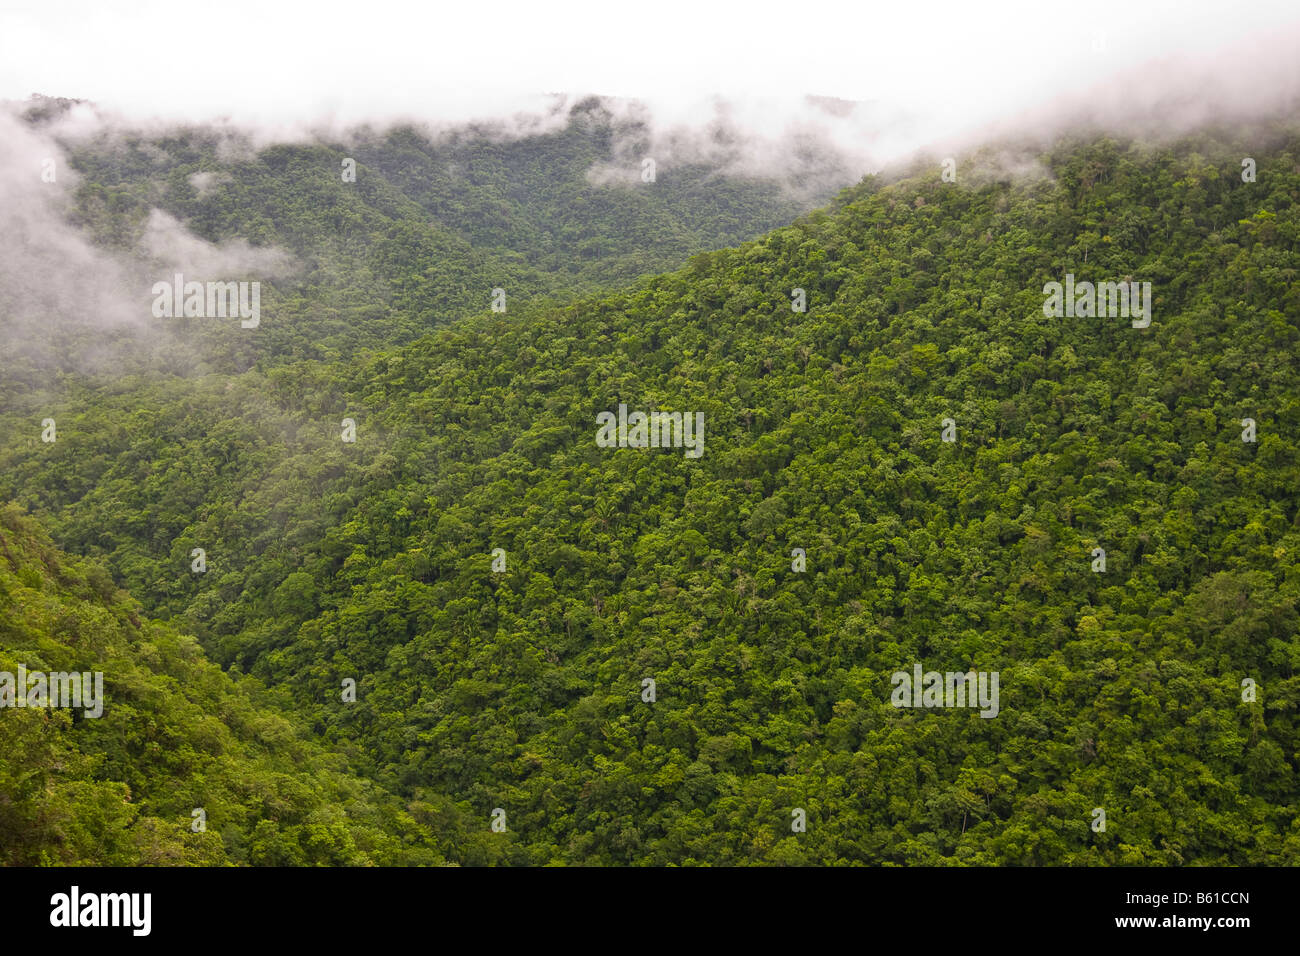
(175, 735)
(522, 690)
(431, 224)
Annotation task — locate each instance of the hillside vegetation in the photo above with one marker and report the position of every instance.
(174, 735)
(430, 222)
(522, 689)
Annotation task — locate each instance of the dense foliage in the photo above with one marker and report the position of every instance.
(432, 222)
(522, 690)
(175, 735)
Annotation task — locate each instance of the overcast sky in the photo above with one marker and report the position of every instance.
(259, 61)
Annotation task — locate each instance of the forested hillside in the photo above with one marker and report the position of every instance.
(423, 224)
(522, 688)
(183, 764)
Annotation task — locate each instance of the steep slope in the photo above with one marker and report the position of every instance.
(430, 224)
(1121, 689)
(119, 783)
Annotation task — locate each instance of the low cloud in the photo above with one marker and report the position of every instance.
(167, 242)
(57, 284)
(53, 280)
